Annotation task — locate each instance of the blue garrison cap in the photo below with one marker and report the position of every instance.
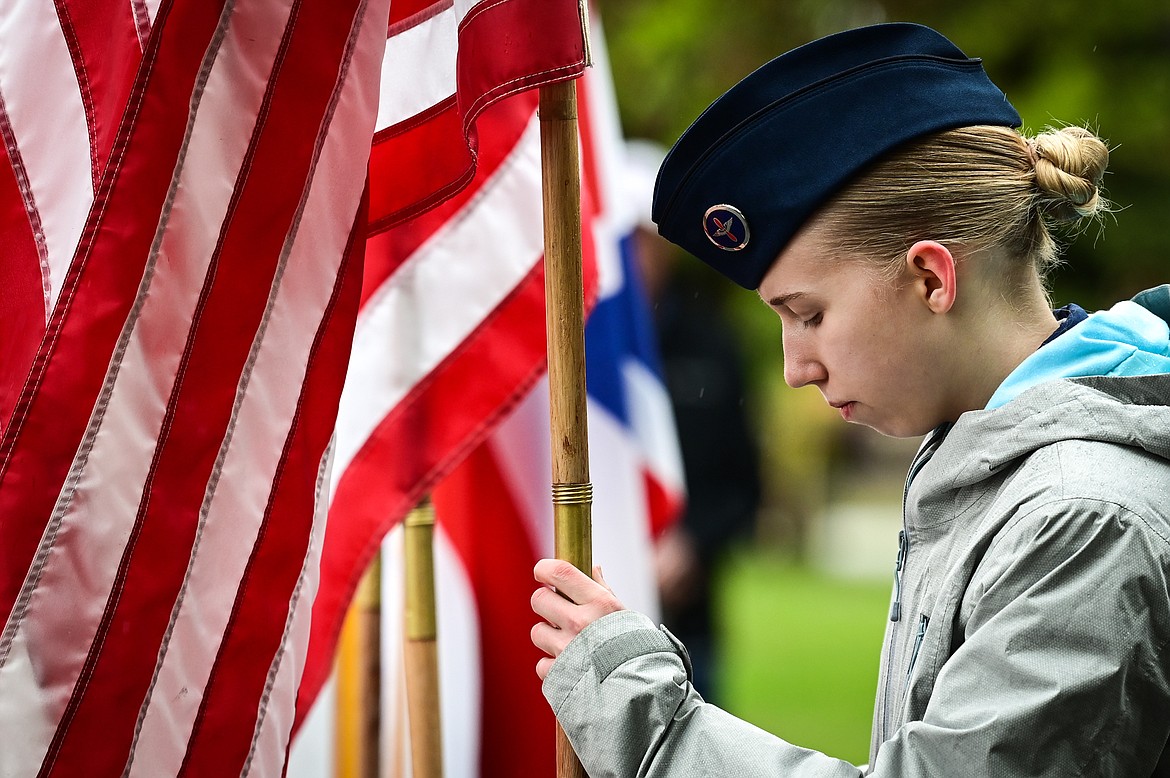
(741, 181)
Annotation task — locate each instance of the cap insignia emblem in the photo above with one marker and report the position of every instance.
(726, 227)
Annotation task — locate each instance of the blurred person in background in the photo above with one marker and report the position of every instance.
(872, 188)
(704, 375)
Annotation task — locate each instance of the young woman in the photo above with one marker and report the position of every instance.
(871, 187)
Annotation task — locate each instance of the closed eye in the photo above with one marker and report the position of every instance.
(812, 321)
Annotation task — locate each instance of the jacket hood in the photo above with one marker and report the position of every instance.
(1130, 339)
(1114, 387)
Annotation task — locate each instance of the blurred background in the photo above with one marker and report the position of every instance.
(799, 593)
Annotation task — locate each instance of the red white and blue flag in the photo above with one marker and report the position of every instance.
(450, 330)
(183, 214)
(494, 509)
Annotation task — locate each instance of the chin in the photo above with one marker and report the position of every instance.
(903, 428)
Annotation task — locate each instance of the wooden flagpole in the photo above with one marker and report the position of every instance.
(421, 644)
(359, 680)
(565, 321)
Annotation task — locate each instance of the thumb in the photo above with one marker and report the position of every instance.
(597, 576)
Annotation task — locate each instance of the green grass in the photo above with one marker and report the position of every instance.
(800, 652)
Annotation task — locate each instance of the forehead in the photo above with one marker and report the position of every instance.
(802, 266)
(812, 267)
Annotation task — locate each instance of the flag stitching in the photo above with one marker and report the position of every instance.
(141, 22)
(420, 118)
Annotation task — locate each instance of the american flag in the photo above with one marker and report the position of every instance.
(494, 511)
(450, 332)
(182, 207)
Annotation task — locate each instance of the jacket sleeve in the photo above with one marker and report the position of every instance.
(620, 689)
(1058, 668)
(1057, 671)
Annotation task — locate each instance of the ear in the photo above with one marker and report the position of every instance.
(931, 268)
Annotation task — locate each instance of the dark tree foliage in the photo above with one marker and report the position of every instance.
(1103, 65)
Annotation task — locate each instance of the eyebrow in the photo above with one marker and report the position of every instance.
(783, 299)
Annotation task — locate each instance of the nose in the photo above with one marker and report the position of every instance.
(801, 366)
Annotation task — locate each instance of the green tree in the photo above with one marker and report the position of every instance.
(1106, 66)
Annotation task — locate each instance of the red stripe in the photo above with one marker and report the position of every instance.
(401, 10)
(505, 47)
(664, 504)
(22, 296)
(508, 46)
(498, 557)
(591, 180)
(421, 177)
(54, 408)
(96, 731)
(502, 125)
(103, 41)
(219, 743)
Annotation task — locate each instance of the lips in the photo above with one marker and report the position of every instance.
(846, 409)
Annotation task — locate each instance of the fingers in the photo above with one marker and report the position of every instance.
(549, 639)
(568, 602)
(567, 580)
(551, 607)
(597, 576)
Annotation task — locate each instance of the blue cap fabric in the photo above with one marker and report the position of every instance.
(762, 158)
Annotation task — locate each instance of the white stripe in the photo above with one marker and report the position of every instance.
(142, 21)
(439, 296)
(263, 417)
(621, 520)
(312, 753)
(91, 523)
(40, 92)
(277, 708)
(459, 635)
(652, 418)
(607, 139)
(418, 68)
(523, 451)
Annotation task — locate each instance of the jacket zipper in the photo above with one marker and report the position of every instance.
(922, 624)
(920, 459)
(896, 605)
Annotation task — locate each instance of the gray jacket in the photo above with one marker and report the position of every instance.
(1032, 615)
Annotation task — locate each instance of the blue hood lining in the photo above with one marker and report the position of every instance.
(1130, 339)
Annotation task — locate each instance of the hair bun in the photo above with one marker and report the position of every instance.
(1070, 165)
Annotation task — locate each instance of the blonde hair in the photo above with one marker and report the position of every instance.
(973, 189)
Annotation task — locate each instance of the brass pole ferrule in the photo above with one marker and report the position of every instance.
(419, 531)
(573, 524)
